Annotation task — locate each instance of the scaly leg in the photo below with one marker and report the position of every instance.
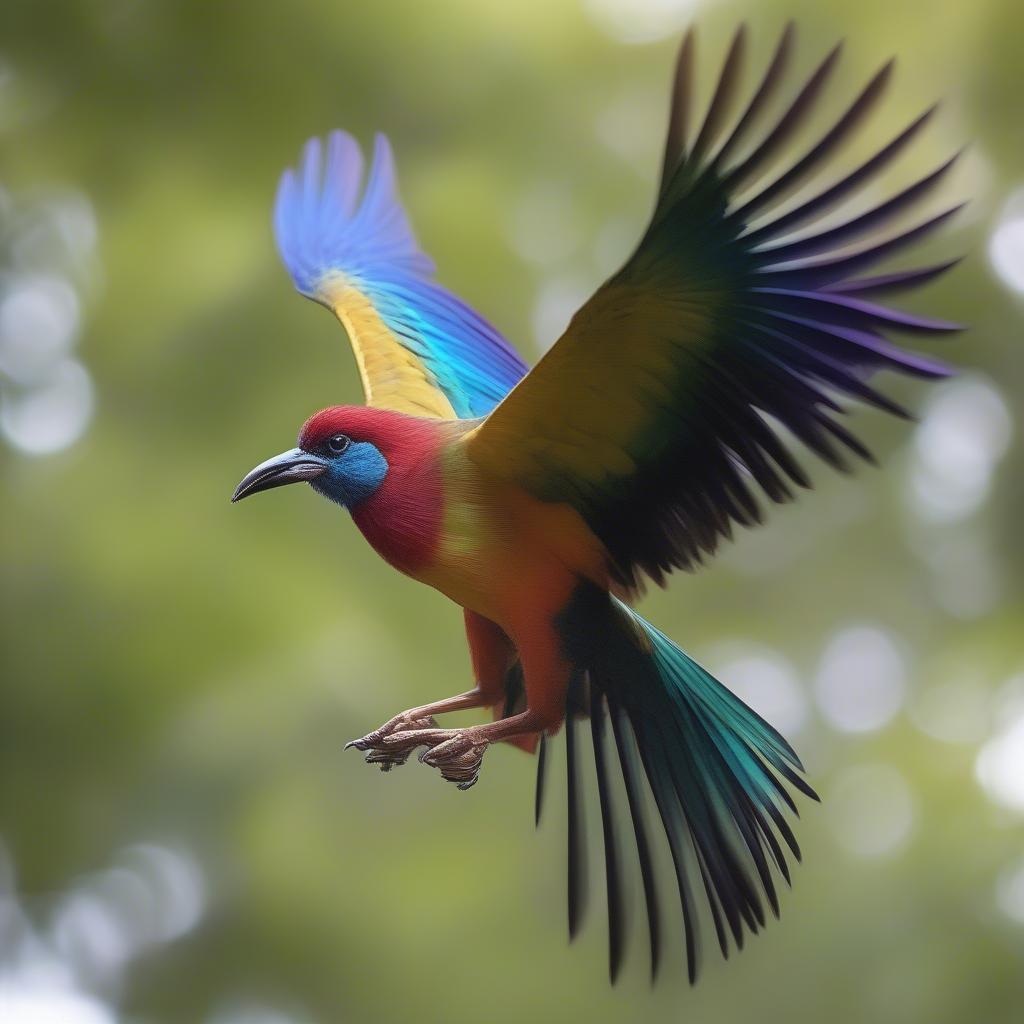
(458, 753)
(491, 652)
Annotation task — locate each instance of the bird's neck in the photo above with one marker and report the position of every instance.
(402, 518)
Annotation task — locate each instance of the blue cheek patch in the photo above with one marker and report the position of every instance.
(354, 475)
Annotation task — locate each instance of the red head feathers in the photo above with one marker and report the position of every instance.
(389, 431)
(402, 519)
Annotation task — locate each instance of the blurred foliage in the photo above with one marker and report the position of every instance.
(175, 669)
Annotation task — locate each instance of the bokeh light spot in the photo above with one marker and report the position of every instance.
(642, 21)
(871, 810)
(89, 933)
(999, 766)
(52, 416)
(964, 432)
(24, 1004)
(38, 323)
(1010, 892)
(628, 125)
(954, 710)
(46, 252)
(176, 884)
(544, 228)
(861, 680)
(1006, 245)
(151, 895)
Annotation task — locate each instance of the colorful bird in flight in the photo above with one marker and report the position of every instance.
(539, 500)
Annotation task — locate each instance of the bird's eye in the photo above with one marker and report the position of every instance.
(338, 443)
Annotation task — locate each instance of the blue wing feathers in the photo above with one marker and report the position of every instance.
(319, 229)
(323, 229)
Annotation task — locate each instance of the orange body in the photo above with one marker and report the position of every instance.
(511, 561)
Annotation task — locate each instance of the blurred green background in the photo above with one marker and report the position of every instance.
(182, 838)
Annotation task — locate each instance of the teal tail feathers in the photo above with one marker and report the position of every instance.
(718, 774)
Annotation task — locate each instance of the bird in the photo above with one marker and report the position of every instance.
(543, 500)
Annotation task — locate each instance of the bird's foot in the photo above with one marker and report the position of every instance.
(387, 757)
(457, 753)
(458, 758)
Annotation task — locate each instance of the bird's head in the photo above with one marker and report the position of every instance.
(340, 454)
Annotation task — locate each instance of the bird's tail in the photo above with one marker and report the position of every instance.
(716, 770)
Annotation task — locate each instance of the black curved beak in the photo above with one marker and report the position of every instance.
(286, 468)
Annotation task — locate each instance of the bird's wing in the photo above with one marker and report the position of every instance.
(420, 349)
(658, 409)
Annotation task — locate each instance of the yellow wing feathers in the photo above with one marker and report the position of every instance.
(393, 377)
(593, 392)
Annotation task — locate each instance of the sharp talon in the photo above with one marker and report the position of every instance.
(452, 752)
(381, 739)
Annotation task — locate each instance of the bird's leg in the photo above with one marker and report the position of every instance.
(458, 753)
(409, 722)
(492, 653)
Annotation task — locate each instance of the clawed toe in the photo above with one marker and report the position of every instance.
(452, 751)
(459, 760)
(385, 760)
(390, 750)
(382, 752)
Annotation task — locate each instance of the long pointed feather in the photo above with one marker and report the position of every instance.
(886, 284)
(542, 764)
(634, 797)
(826, 272)
(742, 175)
(833, 371)
(787, 182)
(835, 194)
(616, 913)
(679, 114)
(670, 820)
(834, 237)
(773, 77)
(723, 96)
(849, 310)
(577, 888)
